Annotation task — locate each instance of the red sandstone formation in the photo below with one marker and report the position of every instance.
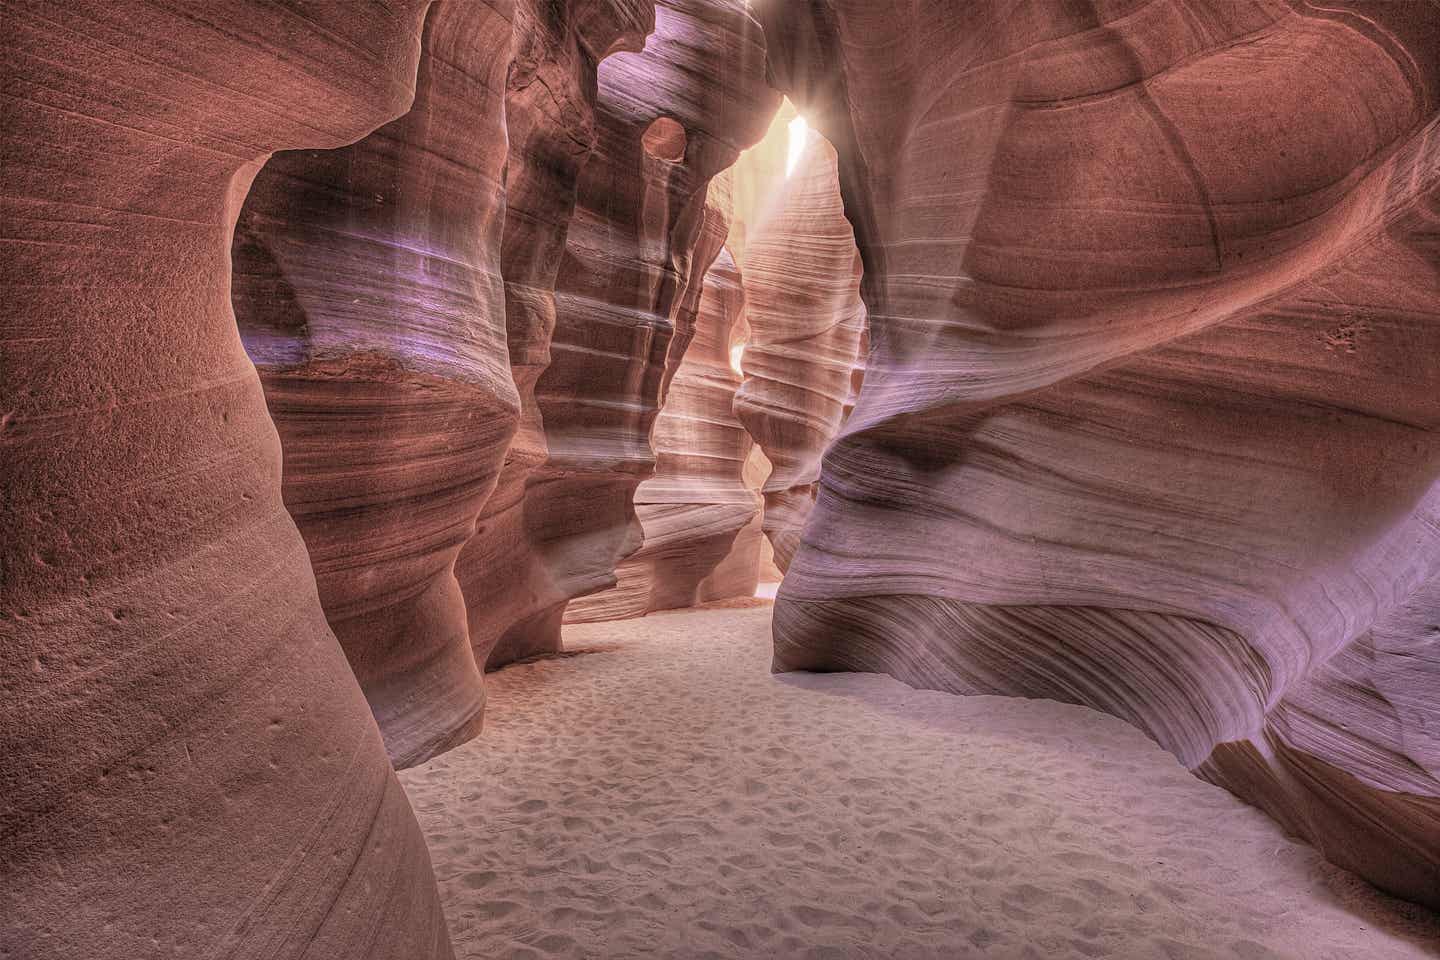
(1150, 418)
(696, 504)
(801, 274)
(740, 570)
(550, 106)
(750, 561)
(367, 288)
(186, 762)
(667, 120)
(1149, 423)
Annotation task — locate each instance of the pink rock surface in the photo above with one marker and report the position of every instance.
(697, 503)
(801, 274)
(667, 120)
(550, 104)
(1149, 421)
(1147, 416)
(751, 544)
(367, 288)
(187, 765)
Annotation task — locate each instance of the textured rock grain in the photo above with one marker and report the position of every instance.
(801, 274)
(367, 288)
(550, 104)
(698, 502)
(666, 120)
(186, 762)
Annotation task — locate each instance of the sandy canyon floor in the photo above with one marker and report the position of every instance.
(657, 792)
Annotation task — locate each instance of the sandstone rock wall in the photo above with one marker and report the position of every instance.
(747, 564)
(550, 102)
(697, 503)
(801, 274)
(185, 756)
(368, 291)
(1150, 415)
(1146, 419)
(666, 121)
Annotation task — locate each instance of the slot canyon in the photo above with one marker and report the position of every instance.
(720, 479)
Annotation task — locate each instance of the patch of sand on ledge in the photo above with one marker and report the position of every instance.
(665, 795)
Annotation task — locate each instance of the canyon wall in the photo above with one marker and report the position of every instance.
(697, 503)
(550, 107)
(750, 561)
(666, 120)
(740, 570)
(801, 274)
(185, 756)
(1148, 420)
(1150, 416)
(368, 293)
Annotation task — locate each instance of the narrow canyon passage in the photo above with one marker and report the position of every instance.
(494, 478)
(658, 792)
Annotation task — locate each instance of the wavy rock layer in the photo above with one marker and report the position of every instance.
(1149, 421)
(367, 288)
(186, 761)
(549, 104)
(751, 544)
(744, 565)
(666, 121)
(801, 273)
(698, 502)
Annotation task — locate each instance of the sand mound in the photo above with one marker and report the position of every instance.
(666, 795)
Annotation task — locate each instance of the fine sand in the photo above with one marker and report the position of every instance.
(657, 792)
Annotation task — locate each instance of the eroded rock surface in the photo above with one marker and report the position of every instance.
(1148, 420)
(368, 292)
(697, 503)
(801, 274)
(186, 761)
(1150, 417)
(666, 121)
(550, 105)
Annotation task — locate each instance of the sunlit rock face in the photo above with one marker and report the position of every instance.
(749, 562)
(693, 508)
(728, 455)
(666, 121)
(801, 274)
(1149, 418)
(368, 293)
(187, 765)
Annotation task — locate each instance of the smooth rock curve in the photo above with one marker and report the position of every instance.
(368, 292)
(186, 762)
(1150, 416)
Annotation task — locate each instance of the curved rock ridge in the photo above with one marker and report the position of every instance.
(740, 570)
(550, 105)
(186, 762)
(666, 121)
(367, 288)
(1150, 415)
(801, 273)
(697, 503)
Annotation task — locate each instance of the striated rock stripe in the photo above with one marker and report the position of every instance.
(367, 288)
(801, 274)
(696, 504)
(667, 120)
(550, 103)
